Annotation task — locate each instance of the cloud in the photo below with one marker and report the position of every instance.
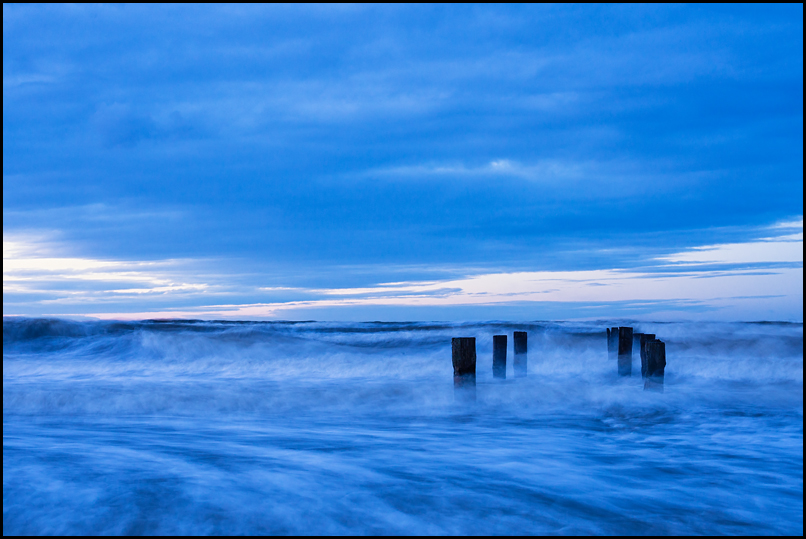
(20, 79)
(568, 179)
(545, 170)
(493, 140)
(32, 265)
(783, 249)
(723, 291)
(718, 277)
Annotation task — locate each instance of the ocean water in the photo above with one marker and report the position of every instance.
(170, 427)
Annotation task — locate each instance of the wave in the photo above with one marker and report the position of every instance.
(219, 427)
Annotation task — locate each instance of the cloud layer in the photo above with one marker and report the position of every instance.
(728, 281)
(260, 154)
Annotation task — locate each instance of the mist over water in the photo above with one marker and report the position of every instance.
(327, 428)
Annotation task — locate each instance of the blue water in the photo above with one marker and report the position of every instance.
(328, 428)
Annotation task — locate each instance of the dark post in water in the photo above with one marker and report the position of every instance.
(636, 341)
(612, 343)
(464, 361)
(609, 346)
(625, 351)
(655, 365)
(519, 364)
(645, 338)
(499, 356)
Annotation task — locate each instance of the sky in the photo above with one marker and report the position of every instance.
(403, 162)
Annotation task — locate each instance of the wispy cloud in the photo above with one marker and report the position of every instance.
(783, 248)
(720, 276)
(550, 169)
(562, 178)
(720, 290)
(197, 157)
(33, 265)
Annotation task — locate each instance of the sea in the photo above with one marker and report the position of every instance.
(221, 427)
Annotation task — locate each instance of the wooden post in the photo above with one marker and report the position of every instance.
(636, 341)
(612, 343)
(655, 365)
(645, 338)
(519, 363)
(499, 356)
(609, 344)
(625, 351)
(464, 361)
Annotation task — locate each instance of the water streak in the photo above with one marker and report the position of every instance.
(326, 428)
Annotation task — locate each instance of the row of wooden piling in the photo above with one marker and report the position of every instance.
(620, 344)
(464, 358)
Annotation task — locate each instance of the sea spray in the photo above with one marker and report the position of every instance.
(312, 428)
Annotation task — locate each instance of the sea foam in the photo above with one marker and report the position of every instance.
(168, 427)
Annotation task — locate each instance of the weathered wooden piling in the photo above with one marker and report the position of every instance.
(625, 351)
(499, 356)
(636, 341)
(645, 338)
(612, 343)
(655, 365)
(609, 344)
(464, 362)
(519, 361)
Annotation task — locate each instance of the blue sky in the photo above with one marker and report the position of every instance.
(512, 162)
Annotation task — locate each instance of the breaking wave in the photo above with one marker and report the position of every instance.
(198, 427)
